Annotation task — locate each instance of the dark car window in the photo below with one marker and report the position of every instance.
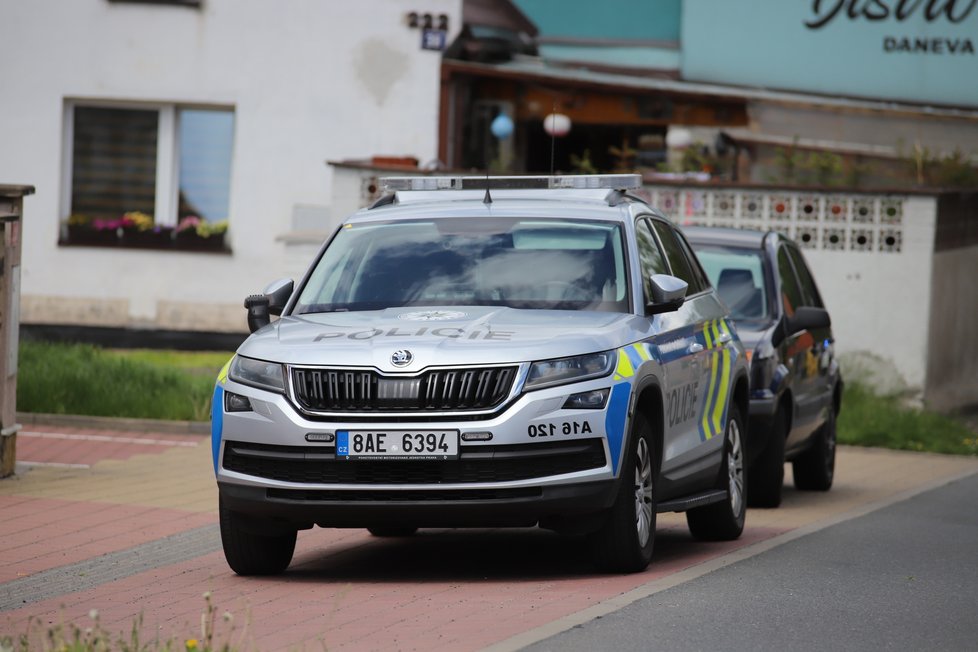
(681, 267)
(649, 255)
(812, 297)
(694, 263)
(791, 296)
(739, 276)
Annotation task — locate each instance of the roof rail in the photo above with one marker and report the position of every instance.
(563, 182)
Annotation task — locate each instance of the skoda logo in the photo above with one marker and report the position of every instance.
(401, 358)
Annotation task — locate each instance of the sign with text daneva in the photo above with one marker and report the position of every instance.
(921, 51)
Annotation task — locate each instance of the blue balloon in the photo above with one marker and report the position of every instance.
(502, 127)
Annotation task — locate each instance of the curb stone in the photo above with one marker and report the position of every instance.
(115, 423)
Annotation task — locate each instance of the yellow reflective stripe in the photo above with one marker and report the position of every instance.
(625, 369)
(722, 394)
(223, 375)
(709, 396)
(716, 333)
(706, 335)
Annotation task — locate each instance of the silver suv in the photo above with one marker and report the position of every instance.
(473, 351)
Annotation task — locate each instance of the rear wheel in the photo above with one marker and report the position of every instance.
(392, 530)
(815, 469)
(767, 472)
(249, 553)
(724, 521)
(624, 542)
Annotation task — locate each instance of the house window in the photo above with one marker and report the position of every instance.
(140, 176)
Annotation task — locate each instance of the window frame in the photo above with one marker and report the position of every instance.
(167, 188)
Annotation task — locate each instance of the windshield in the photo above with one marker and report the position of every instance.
(520, 263)
(738, 276)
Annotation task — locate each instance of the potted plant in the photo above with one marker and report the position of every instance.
(192, 232)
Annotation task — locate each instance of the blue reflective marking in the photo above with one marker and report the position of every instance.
(634, 357)
(217, 423)
(614, 421)
(342, 443)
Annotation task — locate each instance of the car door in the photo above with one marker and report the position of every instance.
(820, 361)
(799, 353)
(693, 414)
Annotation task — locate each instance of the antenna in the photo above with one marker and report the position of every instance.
(553, 139)
(488, 198)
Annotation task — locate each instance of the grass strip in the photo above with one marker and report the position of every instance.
(82, 379)
(883, 421)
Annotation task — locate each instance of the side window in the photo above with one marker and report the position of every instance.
(677, 259)
(790, 290)
(649, 256)
(702, 280)
(812, 297)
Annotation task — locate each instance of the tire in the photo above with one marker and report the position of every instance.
(767, 472)
(624, 542)
(815, 469)
(248, 553)
(724, 521)
(392, 530)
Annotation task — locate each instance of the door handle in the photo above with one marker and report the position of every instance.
(695, 347)
(724, 338)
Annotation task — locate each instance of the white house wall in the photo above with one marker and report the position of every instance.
(308, 80)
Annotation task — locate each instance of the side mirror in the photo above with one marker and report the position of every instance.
(262, 306)
(278, 294)
(805, 318)
(668, 293)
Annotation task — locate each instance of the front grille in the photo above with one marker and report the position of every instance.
(414, 496)
(343, 390)
(318, 464)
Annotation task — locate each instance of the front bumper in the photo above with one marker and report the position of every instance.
(301, 508)
(543, 463)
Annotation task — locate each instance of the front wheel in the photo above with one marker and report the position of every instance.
(724, 521)
(249, 553)
(767, 472)
(815, 469)
(624, 542)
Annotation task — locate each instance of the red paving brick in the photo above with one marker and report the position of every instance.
(345, 588)
(40, 533)
(439, 590)
(50, 445)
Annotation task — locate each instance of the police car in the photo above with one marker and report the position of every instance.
(486, 351)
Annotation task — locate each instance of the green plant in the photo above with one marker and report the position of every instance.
(582, 164)
(82, 379)
(72, 637)
(870, 420)
(823, 167)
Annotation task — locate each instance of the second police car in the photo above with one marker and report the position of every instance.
(546, 351)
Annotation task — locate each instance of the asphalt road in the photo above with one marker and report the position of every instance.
(901, 578)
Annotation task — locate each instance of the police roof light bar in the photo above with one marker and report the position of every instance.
(567, 182)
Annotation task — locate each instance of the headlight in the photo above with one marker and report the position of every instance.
(569, 370)
(257, 373)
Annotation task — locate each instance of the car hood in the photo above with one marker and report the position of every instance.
(440, 336)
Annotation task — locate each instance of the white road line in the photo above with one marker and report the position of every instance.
(120, 440)
(60, 465)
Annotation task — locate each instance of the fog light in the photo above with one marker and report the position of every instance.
(476, 436)
(592, 400)
(236, 402)
(320, 436)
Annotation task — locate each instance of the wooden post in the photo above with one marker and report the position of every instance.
(11, 210)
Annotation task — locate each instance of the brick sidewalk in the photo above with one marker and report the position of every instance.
(126, 523)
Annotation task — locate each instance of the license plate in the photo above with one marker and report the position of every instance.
(397, 444)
